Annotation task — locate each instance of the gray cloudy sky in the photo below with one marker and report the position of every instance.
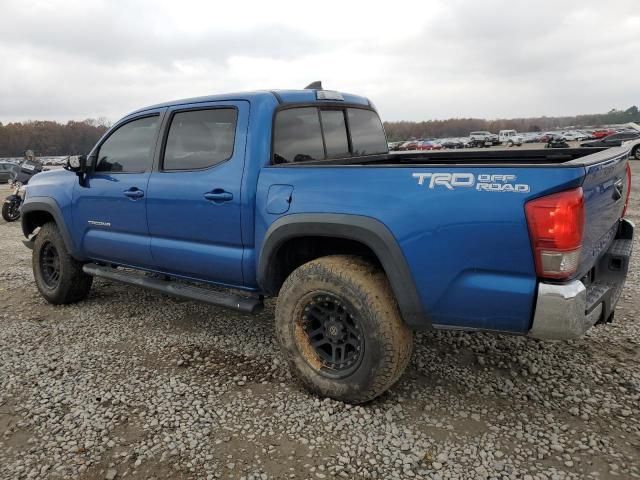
(415, 59)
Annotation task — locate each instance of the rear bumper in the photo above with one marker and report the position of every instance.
(568, 310)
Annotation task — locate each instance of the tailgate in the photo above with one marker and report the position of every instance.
(605, 189)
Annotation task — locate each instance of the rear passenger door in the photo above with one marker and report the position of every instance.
(194, 193)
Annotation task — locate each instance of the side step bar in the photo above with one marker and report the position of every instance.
(235, 302)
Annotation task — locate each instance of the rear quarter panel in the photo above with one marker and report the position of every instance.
(468, 250)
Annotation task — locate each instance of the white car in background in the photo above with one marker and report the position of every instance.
(510, 138)
(574, 135)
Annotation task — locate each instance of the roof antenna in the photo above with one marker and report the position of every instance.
(317, 85)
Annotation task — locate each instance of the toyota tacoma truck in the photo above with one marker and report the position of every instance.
(293, 194)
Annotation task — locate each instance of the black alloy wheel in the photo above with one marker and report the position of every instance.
(50, 265)
(333, 331)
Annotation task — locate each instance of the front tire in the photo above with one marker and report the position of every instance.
(340, 329)
(636, 153)
(11, 210)
(59, 277)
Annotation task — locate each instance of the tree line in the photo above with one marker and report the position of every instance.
(460, 127)
(48, 138)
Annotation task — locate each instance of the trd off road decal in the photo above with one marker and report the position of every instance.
(484, 182)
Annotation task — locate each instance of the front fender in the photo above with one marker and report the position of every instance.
(37, 210)
(365, 230)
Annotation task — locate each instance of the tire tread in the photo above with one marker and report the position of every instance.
(355, 274)
(74, 283)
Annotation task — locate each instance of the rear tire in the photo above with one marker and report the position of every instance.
(59, 277)
(340, 329)
(636, 153)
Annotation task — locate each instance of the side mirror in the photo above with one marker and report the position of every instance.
(77, 163)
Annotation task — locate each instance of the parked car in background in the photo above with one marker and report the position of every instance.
(616, 140)
(409, 145)
(428, 145)
(596, 134)
(466, 142)
(480, 135)
(452, 143)
(482, 138)
(574, 135)
(584, 135)
(546, 137)
(394, 146)
(5, 171)
(531, 137)
(556, 141)
(569, 136)
(510, 138)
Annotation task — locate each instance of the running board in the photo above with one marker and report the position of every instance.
(236, 302)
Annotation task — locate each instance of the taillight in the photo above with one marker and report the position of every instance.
(555, 224)
(626, 201)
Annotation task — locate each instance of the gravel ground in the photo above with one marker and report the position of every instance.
(130, 384)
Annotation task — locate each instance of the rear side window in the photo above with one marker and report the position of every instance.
(367, 135)
(297, 136)
(129, 149)
(312, 133)
(200, 139)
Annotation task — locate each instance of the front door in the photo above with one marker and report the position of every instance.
(109, 208)
(193, 201)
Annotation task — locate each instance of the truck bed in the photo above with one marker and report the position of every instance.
(467, 245)
(512, 157)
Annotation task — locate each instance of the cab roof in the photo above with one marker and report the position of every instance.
(278, 96)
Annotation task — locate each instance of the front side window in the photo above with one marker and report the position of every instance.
(297, 136)
(200, 139)
(130, 148)
(367, 134)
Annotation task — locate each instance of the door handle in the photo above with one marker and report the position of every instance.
(133, 193)
(219, 196)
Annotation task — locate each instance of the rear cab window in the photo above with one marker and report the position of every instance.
(297, 136)
(367, 134)
(326, 132)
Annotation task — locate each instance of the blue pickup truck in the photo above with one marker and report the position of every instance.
(229, 199)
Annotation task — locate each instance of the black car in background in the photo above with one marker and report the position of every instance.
(615, 140)
(451, 143)
(5, 171)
